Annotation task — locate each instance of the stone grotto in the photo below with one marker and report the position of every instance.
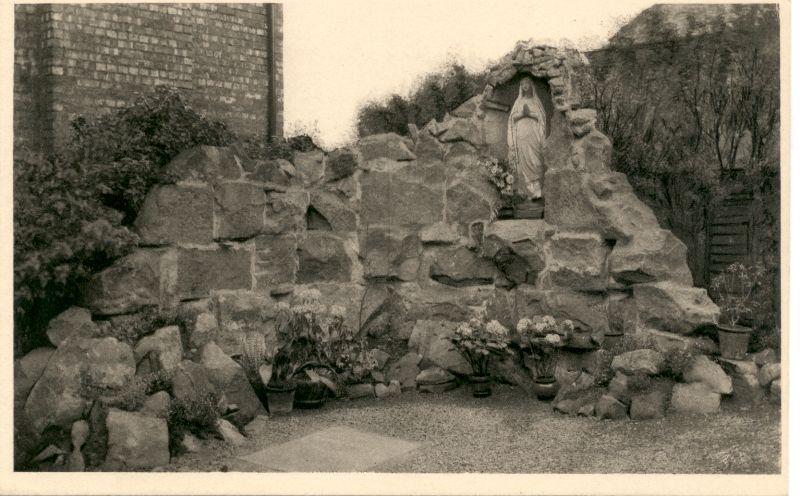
(404, 233)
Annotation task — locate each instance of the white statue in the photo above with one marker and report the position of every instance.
(526, 129)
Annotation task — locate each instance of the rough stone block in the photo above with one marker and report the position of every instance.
(130, 284)
(201, 271)
(694, 398)
(575, 261)
(276, 261)
(203, 164)
(240, 210)
(668, 306)
(390, 254)
(396, 199)
(136, 441)
(322, 257)
(176, 214)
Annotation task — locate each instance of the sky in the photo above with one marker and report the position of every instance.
(341, 54)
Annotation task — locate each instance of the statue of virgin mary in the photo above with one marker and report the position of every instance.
(526, 128)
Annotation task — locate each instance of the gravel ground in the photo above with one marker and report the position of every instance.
(511, 433)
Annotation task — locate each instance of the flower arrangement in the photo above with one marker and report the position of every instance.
(542, 336)
(477, 341)
(734, 291)
(500, 174)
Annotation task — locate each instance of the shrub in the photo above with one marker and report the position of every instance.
(436, 95)
(71, 209)
(125, 151)
(197, 416)
(676, 361)
(62, 234)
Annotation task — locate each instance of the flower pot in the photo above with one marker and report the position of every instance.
(310, 394)
(481, 385)
(280, 399)
(733, 341)
(545, 388)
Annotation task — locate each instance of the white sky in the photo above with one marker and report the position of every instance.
(339, 54)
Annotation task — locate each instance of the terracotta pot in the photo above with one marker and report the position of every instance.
(310, 394)
(733, 341)
(545, 388)
(280, 399)
(481, 385)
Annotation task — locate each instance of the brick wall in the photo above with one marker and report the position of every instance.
(87, 59)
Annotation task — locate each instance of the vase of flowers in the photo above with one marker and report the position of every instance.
(478, 341)
(734, 291)
(543, 336)
(501, 174)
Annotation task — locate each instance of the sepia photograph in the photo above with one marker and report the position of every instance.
(398, 239)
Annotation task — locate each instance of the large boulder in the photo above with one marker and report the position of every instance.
(430, 338)
(652, 255)
(389, 145)
(603, 203)
(73, 322)
(768, 373)
(702, 369)
(516, 247)
(341, 163)
(130, 284)
(167, 345)
(458, 266)
(608, 407)
(285, 212)
(276, 262)
(406, 196)
(135, 441)
(230, 379)
(28, 370)
(310, 166)
(190, 381)
(58, 399)
(335, 211)
(669, 306)
(240, 210)
(323, 257)
(648, 406)
(575, 261)
(203, 163)
(390, 253)
(201, 271)
(470, 197)
(694, 398)
(644, 361)
(174, 214)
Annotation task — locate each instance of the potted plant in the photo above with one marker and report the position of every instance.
(543, 336)
(734, 292)
(316, 331)
(477, 341)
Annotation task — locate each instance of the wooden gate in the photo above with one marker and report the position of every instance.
(730, 233)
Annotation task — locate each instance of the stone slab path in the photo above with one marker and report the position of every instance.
(335, 449)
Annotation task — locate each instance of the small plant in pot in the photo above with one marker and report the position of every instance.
(734, 291)
(312, 328)
(543, 336)
(478, 341)
(502, 176)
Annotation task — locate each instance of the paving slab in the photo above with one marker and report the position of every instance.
(336, 449)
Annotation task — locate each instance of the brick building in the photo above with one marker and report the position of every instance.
(72, 60)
